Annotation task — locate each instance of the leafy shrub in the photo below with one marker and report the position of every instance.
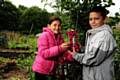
(18, 41)
(117, 54)
(3, 40)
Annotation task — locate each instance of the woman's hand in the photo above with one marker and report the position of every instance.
(65, 45)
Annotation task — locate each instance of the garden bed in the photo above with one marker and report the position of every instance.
(14, 53)
(10, 71)
(15, 64)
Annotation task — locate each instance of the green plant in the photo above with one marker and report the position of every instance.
(26, 64)
(17, 40)
(117, 54)
(3, 40)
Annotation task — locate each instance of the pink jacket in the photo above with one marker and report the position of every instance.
(49, 53)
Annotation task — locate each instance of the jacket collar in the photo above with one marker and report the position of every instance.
(101, 28)
(46, 29)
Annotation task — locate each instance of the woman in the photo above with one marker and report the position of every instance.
(98, 57)
(51, 48)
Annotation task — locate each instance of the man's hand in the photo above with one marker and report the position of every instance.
(72, 52)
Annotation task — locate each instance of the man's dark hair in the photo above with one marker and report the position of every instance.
(101, 10)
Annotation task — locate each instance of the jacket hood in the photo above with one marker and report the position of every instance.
(46, 29)
(103, 27)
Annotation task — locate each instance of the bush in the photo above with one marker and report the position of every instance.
(3, 40)
(117, 54)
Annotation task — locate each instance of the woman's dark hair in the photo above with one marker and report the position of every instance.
(101, 10)
(54, 18)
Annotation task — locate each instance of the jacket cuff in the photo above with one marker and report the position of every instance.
(61, 49)
(78, 57)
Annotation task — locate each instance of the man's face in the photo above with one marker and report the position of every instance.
(95, 19)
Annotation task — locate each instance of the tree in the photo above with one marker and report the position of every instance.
(33, 19)
(112, 21)
(78, 9)
(21, 9)
(8, 16)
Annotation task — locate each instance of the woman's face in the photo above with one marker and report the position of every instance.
(55, 26)
(95, 19)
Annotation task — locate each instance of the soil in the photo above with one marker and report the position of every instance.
(15, 74)
(10, 71)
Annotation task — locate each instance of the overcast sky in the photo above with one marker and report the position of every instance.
(30, 3)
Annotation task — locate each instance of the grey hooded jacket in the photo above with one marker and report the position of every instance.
(98, 57)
